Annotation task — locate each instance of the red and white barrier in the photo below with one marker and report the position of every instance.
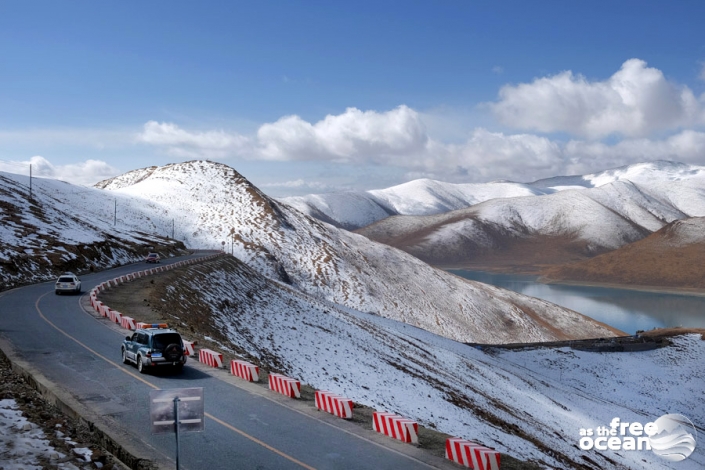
(398, 427)
(211, 358)
(128, 323)
(471, 454)
(334, 404)
(285, 385)
(244, 370)
(115, 316)
(188, 347)
(103, 309)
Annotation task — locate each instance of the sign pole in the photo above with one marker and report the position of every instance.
(176, 428)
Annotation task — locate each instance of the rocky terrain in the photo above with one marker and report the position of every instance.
(43, 437)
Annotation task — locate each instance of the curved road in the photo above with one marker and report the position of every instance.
(245, 428)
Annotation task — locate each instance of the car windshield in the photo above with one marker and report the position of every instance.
(165, 339)
(152, 255)
(65, 279)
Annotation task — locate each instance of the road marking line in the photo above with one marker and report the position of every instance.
(149, 384)
(263, 444)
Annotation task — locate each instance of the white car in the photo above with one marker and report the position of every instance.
(67, 282)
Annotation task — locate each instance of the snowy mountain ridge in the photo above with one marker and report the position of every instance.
(353, 210)
(565, 226)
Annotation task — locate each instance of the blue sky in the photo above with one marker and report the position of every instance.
(315, 96)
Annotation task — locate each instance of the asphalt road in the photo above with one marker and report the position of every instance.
(245, 429)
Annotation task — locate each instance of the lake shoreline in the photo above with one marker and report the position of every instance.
(690, 291)
(624, 308)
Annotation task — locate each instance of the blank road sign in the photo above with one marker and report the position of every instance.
(161, 410)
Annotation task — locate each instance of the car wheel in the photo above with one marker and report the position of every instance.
(57, 292)
(124, 356)
(140, 366)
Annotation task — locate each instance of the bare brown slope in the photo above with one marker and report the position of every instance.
(672, 257)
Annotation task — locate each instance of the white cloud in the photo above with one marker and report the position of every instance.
(85, 173)
(352, 136)
(399, 139)
(498, 70)
(633, 102)
(178, 142)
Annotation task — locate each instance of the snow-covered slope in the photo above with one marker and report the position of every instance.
(530, 404)
(212, 203)
(65, 227)
(644, 174)
(352, 210)
(582, 222)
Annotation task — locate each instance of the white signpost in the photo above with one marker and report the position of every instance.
(177, 410)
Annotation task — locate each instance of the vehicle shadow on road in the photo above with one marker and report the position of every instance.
(188, 373)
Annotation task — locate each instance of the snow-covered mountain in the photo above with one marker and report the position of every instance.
(568, 225)
(65, 227)
(212, 203)
(353, 210)
(529, 403)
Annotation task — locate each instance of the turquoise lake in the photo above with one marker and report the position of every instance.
(627, 310)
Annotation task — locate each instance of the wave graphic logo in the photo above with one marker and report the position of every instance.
(675, 438)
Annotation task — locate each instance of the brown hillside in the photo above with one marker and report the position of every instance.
(672, 257)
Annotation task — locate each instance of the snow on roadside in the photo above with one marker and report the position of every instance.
(23, 444)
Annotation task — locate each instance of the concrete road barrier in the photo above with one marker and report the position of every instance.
(471, 454)
(127, 322)
(244, 370)
(285, 385)
(211, 358)
(334, 404)
(188, 347)
(398, 427)
(103, 309)
(115, 316)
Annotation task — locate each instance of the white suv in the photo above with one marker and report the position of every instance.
(67, 282)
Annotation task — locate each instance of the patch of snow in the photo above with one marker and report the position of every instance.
(23, 443)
